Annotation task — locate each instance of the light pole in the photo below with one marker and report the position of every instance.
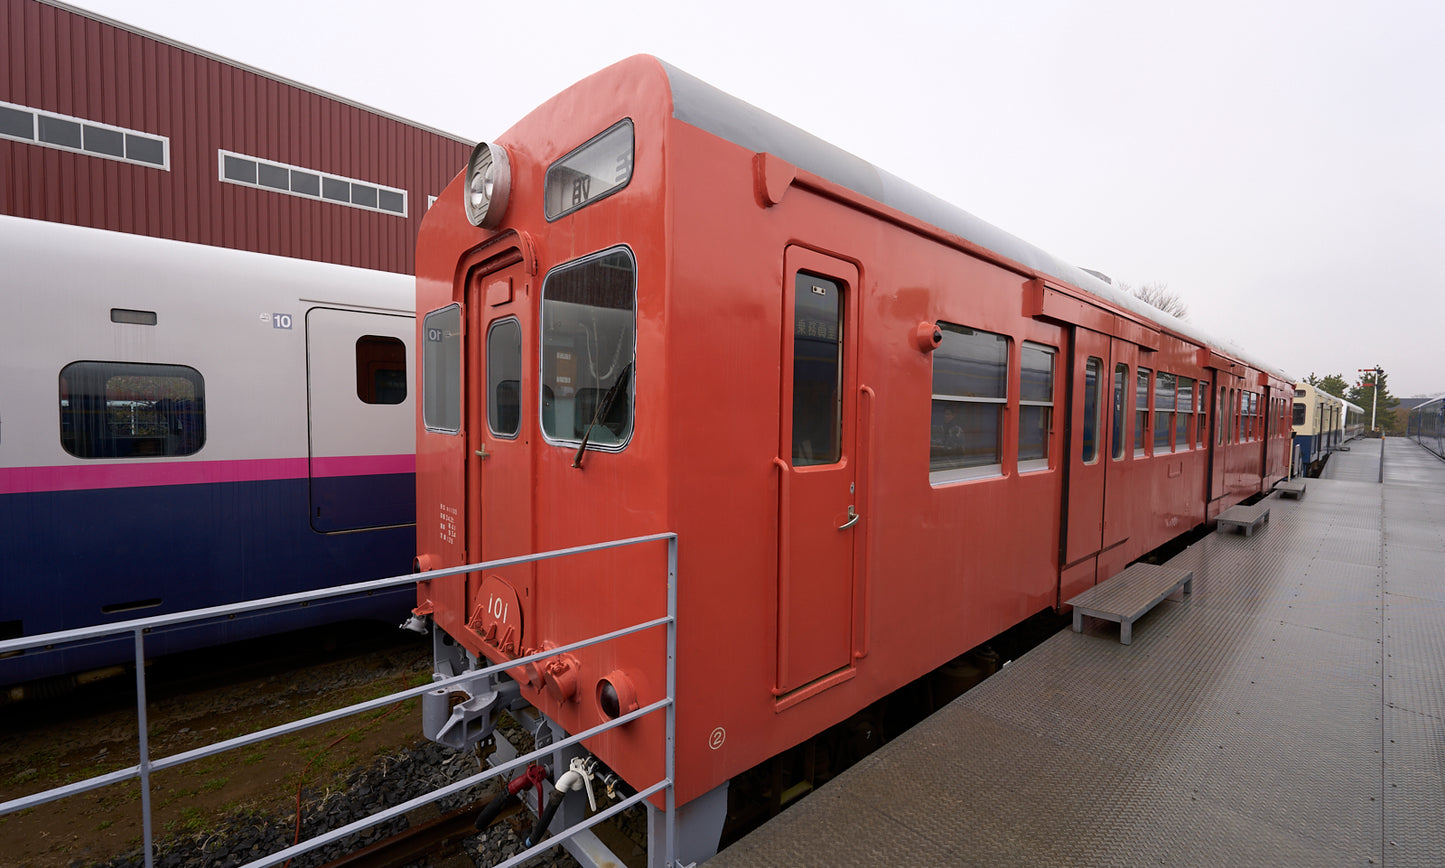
(1374, 393)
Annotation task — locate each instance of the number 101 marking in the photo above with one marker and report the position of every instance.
(497, 608)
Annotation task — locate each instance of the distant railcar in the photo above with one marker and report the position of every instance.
(1322, 423)
(884, 430)
(184, 426)
(1426, 425)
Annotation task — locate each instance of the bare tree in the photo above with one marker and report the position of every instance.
(1158, 295)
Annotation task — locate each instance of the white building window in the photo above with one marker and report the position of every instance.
(65, 133)
(247, 171)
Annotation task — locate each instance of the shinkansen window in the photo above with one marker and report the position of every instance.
(441, 370)
(1121, 396)
(1141, 410)
(1036, 406)
(380, 369)
(970, 390)
(594, 171)
(589, 346)
(504, 378)
(127, 410)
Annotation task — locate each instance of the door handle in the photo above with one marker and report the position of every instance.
(482, 453)
(852, 518)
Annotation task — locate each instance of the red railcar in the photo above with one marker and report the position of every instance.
(883, 430)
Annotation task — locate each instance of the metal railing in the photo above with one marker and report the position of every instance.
(143, 769)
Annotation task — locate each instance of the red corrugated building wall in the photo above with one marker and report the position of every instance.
(103, 125)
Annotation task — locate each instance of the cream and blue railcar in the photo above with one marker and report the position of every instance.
(1322, 424)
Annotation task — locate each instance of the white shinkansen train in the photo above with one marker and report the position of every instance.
(185, 426)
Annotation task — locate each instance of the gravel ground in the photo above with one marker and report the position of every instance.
(382, 762)
(392, 780)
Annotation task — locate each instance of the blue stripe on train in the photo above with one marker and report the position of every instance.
(70, 559)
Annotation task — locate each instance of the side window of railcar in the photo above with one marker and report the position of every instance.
(1121, 383)
(1164, 386)
(589, 346)
(1200, 438)
(380, 369)
(970, 390)
(441, 369)
(1141, 410)
(128, 410)
(1185, 408)
(1036, 405)
(504, 378)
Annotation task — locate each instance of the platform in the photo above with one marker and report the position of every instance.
(1361, 464)
(1292, 714)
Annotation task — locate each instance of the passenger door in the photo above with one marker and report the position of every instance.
(820, 526)
(500, 425)
(1084, 513)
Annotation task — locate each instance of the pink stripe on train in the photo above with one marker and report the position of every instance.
(133, 474)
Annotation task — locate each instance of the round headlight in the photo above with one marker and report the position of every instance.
(489, 183)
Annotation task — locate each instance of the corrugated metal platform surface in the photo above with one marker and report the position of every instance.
(1291, 712)
(1360, 464)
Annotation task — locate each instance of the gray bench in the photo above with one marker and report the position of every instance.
(1126, 597)
(1293, 488)
(1246, 518)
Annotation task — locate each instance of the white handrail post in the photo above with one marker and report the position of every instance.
(144, 746)
(670, 822)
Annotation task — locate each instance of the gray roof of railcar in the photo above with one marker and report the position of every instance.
(700, 104)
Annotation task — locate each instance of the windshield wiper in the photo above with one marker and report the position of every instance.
(603, 408)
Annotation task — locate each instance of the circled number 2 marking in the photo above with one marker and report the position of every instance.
(717, 738)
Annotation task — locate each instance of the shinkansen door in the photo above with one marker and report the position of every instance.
(820, 525)
(360, 418)
(499, 490)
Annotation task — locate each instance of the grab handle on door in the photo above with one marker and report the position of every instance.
(853, 517)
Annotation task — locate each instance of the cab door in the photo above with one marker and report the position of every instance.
(500, 425)
(820, 525)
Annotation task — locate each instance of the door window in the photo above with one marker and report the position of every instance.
(817, 371)
(504, 378)
(1093, 408)
(1121, 382)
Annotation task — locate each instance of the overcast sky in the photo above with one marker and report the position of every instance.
(1280, 165)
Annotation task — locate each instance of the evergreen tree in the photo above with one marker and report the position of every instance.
(1334, 384)
(1383, 404)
